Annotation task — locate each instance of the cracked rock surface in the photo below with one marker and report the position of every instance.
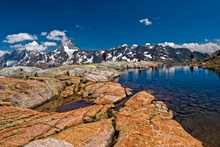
(20, 126)
(141, 122)
(28, 93)
(144, 123)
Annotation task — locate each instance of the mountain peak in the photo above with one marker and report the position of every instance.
(68, 42)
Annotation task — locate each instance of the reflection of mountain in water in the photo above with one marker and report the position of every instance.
(191, 92)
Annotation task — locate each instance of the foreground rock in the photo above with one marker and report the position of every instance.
(28, 93)
(105, 92)
(94, 134)
(21, 72)
(144, 123)
(50, 142)
(20, 126)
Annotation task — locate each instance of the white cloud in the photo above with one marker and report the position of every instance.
(57, 35)
(19, 46)
(19, 37)
(43, 34)
(145, 21)
(208, 47)
(34, 46)
(3, 52)
(49, 44)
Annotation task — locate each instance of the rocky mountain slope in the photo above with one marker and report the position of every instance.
(211, 62)
(67, 53)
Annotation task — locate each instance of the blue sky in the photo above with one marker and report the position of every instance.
(103, 24)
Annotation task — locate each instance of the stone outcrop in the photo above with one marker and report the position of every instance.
(49, 142)
(20, 126)
(94, 74)
(28, 93)
(19, 72)
(129, 65)
(94, 134)
(105, 92)
(143, 122)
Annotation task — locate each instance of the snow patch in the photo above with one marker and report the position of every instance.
(11, 62)
(89, 60)
(164, 58)
(124, 45)
(69, 51)
(134, 46)
(148, 56)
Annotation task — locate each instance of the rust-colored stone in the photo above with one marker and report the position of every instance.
(93, 134)
(143, 123)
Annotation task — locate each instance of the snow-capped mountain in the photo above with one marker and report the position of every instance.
(68, 53)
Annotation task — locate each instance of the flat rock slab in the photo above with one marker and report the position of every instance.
(28, 93)
(94, 74)
(19, 71)
(20, 126)
(143, 122)
(49, 142)
(105, 92)
(93, 134)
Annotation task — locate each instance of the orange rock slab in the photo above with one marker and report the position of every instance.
(145, 123)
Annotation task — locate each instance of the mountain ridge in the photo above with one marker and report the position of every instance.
(68, 53)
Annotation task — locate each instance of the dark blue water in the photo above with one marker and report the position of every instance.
(192, 93)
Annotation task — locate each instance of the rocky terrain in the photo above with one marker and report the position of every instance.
(141, 121)
(211, 62)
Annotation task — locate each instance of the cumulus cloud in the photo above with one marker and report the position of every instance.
(57, 35)
(208, 47)
(3, 52)
(19, 37)
(50, 44)
(34, 46)
(145, 21)
(43, 34)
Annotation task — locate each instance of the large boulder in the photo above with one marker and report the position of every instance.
(28, 93)
(99, 75)
(143, 122)
(76, 72)
(93, 134)
(20, 126)
(94, 74)
(105, 92)
(49, 142)
(19, 71)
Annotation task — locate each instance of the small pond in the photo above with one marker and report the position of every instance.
(192, 93)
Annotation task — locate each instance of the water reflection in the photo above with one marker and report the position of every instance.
(191, 92)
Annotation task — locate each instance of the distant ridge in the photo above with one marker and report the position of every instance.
(68, 53)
